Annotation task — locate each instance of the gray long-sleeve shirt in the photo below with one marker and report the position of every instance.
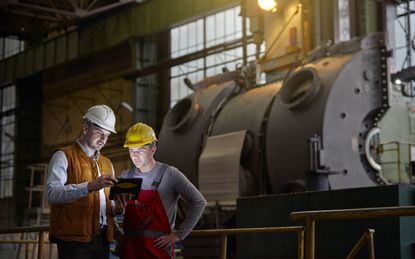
(173, 185)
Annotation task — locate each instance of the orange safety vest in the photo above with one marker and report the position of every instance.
(79, 220)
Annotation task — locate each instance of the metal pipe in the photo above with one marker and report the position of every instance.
(297, 10)
(408, 33)
(225, 232)
(40, 245)
(300, 244)
(399, 164)
(224, 246)
(371, 244)
(244, 28)
(409, 171)
(207, 232)
(310, 238)
(361, 243)
(233, 231)
(400, 142)
(359, 213)
(399, 160)
(22, 242)
(24, 229)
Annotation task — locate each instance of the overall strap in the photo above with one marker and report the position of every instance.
(159, 176)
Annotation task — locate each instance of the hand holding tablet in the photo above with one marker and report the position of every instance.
(128, 187)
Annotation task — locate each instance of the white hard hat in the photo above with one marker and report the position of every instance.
(101, 115)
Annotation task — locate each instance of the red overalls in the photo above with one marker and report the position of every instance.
(144, 220)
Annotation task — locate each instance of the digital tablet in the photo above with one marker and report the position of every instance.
(126, 185)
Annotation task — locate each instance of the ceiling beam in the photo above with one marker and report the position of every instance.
(41, 17)
(73, 4)
(108, 7)
(42, 8)
(91, 5)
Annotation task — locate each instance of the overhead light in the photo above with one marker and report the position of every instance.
(268, 5)
(126, 106)
(398, 81)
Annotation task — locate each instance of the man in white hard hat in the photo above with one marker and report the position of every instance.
(78, 177)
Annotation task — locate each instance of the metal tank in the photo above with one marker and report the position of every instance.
(249, 111)
(311, 128)
(184, 128)
(318, 126)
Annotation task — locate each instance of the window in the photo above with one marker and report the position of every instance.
(209, 32)
(186, 39)
(192, 70)
(402, 51)
(8, 103)
(343, 30)
(10, 46)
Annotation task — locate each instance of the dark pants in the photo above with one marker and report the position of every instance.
(97, 248)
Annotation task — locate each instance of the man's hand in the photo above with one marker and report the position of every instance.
(121, 200)
(163, 241)
(101, 182)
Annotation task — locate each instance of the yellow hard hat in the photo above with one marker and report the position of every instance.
(139, 135)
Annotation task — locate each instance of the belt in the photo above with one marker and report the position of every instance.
(144, 233)
(103, 230)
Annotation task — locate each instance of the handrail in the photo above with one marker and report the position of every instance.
(368, 235)
(225, 232)
(359, 213)
(399, 161)
(40, 242)
(398, 142)
(24, 229)
(206, 232)
(312, 216)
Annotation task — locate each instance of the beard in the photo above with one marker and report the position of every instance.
(95, 145)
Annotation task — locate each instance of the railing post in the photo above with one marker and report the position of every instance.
(300, 244)
(368, 235)
(310, 238)
(40, 245)
(371, 243)
(224, 246)
(399, 162)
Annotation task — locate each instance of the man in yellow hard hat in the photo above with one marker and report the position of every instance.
(81, 220)
(149, 230)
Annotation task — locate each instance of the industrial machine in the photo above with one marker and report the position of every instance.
(315, 128)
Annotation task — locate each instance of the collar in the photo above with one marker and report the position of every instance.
(137, 170)
(89, 152)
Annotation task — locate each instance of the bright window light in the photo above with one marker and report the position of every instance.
(268, 5)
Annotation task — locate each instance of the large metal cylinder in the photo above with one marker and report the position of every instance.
(185, 126)
(248, 111)
(310, 128)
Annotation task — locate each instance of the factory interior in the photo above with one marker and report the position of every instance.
(294, 118)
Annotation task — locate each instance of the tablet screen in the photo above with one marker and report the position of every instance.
(126, 185)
